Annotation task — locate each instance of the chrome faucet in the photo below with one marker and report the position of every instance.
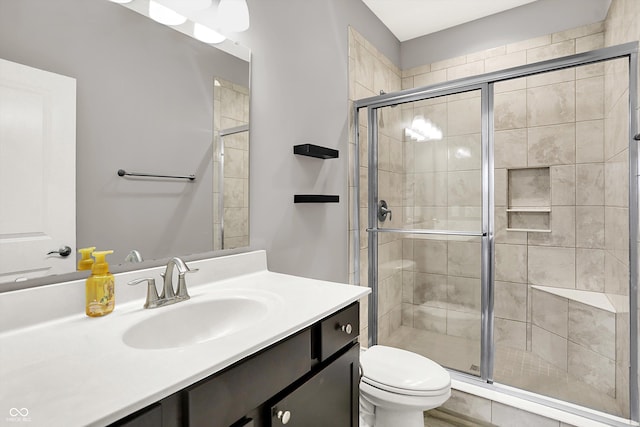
(167, 291)
(169, 295)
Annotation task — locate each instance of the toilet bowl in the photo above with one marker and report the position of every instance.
(397, 386)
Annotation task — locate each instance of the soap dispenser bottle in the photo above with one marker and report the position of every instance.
(100, 287)
(86, 262)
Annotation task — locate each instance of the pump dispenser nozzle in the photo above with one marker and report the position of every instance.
(86, 262)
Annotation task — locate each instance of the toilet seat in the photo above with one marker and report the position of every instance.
(402, 372)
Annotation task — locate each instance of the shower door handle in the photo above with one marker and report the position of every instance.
(383, 211)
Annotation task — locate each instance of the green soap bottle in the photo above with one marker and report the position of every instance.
(100, 287)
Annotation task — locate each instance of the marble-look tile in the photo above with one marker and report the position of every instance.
(430, 290)
(465, 70)
(616, 275)
(463, 324)
(236, 163)
(464, 152)
(470, 405)
(529, 187)
(616, 232)
(590, 269)
(407, 315)
(590, 98)
(501, 233)
(430, 319)
(464, 293)
(463, 259)
(430, 156)
(430, 78)
(529, 43)
(510, 148)
(551, 145)
(551, 266)
(234, 192)
(503, 62)
(510, 301)
(510, 110)
(590, 226)
(549, 312)
(590, 184)
(511, 263)
(563, 185)
(408, 285)
(593, 328)
(464, 188)
(551, 77)
(590, 141)
(236, 222)
(616, 137)
(616, 181)
(592, 368)
(510, 333)
(464, 117)
(555, 50)
(552, 104)
(508, 416)
(431, 256)
(430, 189)
(549, 346)
(500, 187)
(563, 229)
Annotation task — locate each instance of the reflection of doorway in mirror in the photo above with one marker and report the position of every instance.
(37, 172)
(231, 165)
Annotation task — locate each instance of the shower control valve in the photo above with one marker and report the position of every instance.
(383, 211)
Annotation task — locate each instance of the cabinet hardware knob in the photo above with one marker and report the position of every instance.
(284, 416)
(347, 328)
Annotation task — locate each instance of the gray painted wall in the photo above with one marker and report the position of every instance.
(531, 20)
(144, 103)
(299, 95)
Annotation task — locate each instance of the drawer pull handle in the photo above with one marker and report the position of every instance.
(347, 328)
(284, 416)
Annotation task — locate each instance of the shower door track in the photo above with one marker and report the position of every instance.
(485, 83)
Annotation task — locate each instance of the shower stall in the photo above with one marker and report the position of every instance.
(500, 217)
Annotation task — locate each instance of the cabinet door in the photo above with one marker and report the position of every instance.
(329, 398)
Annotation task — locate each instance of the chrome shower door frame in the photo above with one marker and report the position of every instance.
(485, 83)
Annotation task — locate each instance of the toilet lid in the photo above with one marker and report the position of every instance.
(402, 371)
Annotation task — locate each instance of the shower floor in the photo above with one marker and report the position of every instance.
(513, 367)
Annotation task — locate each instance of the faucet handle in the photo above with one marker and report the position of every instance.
(152, 291)
(182, 293)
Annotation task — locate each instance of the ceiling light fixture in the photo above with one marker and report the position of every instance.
(164, 15)
(206, 34)
(233, 15)
(121, 1)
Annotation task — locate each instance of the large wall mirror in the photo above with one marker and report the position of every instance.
(146, 99)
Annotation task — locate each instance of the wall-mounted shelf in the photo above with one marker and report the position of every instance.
(315, 198)
(316, 151)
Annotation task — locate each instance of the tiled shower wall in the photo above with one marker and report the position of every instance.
(581, 114)
(231, 109)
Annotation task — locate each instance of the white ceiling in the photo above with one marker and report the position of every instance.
(408, 19)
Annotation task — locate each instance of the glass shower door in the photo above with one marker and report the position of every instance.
(426, 220)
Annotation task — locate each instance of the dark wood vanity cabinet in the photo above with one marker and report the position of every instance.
(309, 379)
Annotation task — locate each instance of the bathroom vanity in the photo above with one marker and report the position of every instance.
(250, 348)
(309, 379)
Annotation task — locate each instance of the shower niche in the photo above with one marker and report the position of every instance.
(529, 200)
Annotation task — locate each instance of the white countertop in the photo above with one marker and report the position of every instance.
(67, 369)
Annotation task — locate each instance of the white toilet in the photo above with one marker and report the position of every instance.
(397, 386)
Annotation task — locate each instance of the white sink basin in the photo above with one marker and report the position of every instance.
(192, 322)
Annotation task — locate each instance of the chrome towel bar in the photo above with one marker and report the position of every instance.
(122, 172)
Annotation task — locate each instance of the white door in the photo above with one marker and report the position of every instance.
(37, 171)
